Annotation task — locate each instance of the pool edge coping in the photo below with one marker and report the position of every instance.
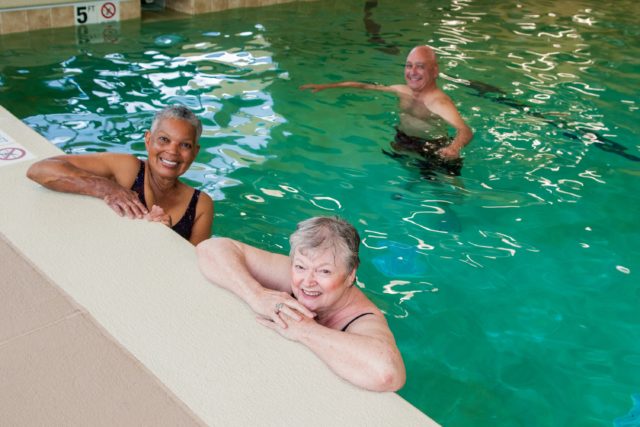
(275, 377)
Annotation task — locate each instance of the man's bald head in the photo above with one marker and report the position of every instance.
(426, 55)
(421, 68)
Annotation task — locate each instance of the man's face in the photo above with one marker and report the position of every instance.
(420, 70)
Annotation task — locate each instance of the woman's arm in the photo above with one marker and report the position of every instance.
(366, 354)
(97, 175)
(261, 279)
(204, 219)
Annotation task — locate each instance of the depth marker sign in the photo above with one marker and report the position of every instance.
(97, 12)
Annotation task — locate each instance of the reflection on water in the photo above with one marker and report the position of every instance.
(512, 289)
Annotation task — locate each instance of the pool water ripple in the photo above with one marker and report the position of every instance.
(513, 289)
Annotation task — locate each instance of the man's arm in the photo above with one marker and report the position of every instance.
(354, 85)
(445, 108)
(261, 279)
(97, 175)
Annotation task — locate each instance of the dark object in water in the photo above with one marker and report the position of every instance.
(373, 30)
(601, 142)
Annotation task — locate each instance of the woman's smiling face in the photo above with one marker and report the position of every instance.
(172, 147)
(319, 278)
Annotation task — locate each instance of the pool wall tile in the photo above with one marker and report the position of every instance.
(218, 5)
(39, 15)
(7, 4)
(62, 16)
(39, 19)
(129, 10)
(234, 4)
(14, 21)
(194, 7)
(201, 6)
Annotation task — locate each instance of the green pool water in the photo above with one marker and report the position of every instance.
(513, 289)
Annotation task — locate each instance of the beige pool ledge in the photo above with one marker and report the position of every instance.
(108, 321)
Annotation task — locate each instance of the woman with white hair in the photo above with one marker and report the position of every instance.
(135, 188)
(310, 297)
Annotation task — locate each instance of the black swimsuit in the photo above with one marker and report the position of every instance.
(428, 151)
(182, 227)
(353, 320)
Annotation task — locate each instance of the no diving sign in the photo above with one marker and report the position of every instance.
(97, 12)
(11, 152)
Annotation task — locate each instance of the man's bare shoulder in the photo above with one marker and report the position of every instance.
(437, 98)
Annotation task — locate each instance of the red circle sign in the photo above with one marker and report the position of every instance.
(108, 10)
(12, 153)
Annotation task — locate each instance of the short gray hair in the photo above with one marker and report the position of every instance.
(178, 112)
(323, 232)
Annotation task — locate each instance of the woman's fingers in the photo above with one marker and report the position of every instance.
(156, 214)
(291, 312)
(299, 309)
(266, 322)
(126, 204)
(129, 210)
(293, 308)
(141, 210)
(116, 208)
(273, 321)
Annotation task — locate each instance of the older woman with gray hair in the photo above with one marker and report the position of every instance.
(141, 189)
(310, 297)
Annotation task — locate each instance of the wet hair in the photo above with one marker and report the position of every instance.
(178, 112)
(322, 232)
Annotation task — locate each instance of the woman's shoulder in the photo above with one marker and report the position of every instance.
(122, 158)
(362, 302)
(204, 202)
(124, 167)
(359, 307)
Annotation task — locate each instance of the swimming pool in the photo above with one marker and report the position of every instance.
(513, 289)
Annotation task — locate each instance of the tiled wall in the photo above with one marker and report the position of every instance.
(194, 7)
(52, 16)
(17, 18)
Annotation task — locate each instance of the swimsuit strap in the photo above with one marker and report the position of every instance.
(353, 320)
(184, 226)
(138, 184)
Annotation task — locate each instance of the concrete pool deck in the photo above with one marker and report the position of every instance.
(108, 321)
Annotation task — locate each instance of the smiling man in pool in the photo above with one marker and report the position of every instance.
(425, 113)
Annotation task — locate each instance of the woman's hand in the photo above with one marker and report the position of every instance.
(156, 214)
(295, 326)
(125, 202)
(273, 305)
